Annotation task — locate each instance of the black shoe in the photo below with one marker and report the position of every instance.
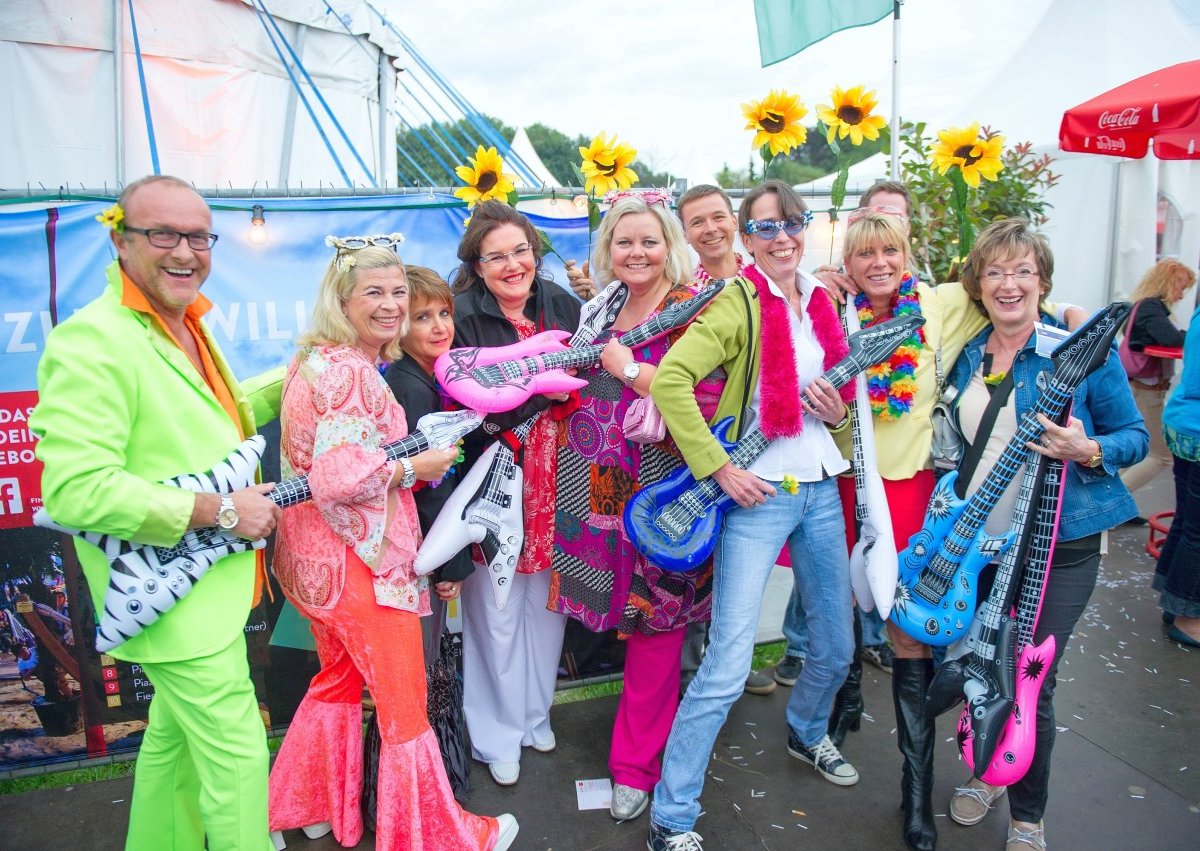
(1136, 521)
(662, 839)
(825, 758)
(788, 670)
(880, 655)
(915, 735)
(848, 705)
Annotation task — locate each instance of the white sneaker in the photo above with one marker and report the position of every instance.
(506, 833)
(546, 743)
(277, 840)
(316, 831)
(627, 803)
(505, 773)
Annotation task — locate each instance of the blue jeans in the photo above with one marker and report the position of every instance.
(810, 523)
(795, 628)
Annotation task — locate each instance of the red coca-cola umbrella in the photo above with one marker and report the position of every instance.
(1162, 108)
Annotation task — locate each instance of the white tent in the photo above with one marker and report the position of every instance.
(1103, 222)
(223, 108)
(523, 148)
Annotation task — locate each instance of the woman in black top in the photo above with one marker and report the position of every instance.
(1158, 291)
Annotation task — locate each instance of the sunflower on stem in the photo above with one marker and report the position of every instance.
(604, 168)
(967, 154)
(775, 121)
(851, 116)
(485, 179)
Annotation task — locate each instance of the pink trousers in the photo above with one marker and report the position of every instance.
(318, 774)
(647, 708)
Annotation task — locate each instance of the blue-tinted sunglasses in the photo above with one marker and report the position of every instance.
(768, 230)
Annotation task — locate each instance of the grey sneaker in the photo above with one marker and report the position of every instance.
(973, 801)
(825, 758)
(879, 655)
(757, 683)
(788, 670)
(1023, 840)
(662, 839)
(627, 803)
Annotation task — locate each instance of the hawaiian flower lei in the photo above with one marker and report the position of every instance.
(891, 384)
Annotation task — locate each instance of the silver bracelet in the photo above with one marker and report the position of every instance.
(410, 475)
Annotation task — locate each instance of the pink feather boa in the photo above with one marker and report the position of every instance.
(781, 414)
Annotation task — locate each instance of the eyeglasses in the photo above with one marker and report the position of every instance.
(499, 257)
(161, 238)
(345, 244)
(1021, 276)
(767, 230)
(353, 243)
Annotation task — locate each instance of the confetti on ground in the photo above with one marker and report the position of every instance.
(800, 813)
(1077, 717)
(718, 779)
(801, 826)
(736, 807)
(777, 827)
(760, 753)
(754, 794)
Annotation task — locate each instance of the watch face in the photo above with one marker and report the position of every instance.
(227, 518)
(631, 370)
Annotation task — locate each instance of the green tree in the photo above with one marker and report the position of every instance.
(428, 154)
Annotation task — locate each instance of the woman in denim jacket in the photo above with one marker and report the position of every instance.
(1008, 275)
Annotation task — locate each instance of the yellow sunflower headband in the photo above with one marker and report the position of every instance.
(346, 245)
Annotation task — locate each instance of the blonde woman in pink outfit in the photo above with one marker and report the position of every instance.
(345, 560)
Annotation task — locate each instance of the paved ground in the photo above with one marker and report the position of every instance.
(1126, 769)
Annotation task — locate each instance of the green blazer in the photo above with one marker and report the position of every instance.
(121, 409)
(725, 334)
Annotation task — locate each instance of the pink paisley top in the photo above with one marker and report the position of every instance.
(337, 415)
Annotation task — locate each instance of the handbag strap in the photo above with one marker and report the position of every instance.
(986, 423)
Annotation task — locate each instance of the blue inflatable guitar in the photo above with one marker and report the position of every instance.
(939, 570)
(674, 522)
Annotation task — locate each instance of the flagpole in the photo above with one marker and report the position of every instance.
(894, 171)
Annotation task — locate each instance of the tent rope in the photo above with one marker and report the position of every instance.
(137, 52)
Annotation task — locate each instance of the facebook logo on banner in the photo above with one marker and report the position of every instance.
(10, 496)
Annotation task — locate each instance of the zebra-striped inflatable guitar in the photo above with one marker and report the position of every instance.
(145, 581)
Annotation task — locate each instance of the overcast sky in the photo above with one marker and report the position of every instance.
(668, 76)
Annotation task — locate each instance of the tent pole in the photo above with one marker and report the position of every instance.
(118, 49)
(289, 120)
(894, 169)
(387, 148)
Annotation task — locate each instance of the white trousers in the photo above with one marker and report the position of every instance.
(510, 664)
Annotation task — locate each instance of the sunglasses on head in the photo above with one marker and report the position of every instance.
(768, 230)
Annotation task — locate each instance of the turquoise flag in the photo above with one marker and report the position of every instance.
(785, 27)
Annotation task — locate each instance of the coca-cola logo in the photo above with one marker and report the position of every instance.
(1104, 143)
(1125, 118)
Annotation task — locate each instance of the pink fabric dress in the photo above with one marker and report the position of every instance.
(345, 561)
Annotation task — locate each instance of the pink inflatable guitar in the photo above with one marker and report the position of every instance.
(1005, 759)
(496, 379)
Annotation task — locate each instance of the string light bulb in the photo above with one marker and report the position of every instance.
(257, 235)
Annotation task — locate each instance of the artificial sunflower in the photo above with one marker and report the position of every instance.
(973, 154)
(851, 115)
(776, 120)
(606, 165)
(485, 178)
(113, 218)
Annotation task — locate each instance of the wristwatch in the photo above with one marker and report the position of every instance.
(631, 371)
(1097, 459)
(410, 475)
(227, 516)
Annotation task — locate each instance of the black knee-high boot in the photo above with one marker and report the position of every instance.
(916, 735)
(848, 703)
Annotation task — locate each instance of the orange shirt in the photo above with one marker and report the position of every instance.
(135, 299)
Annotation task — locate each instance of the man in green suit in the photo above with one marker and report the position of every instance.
(134, 391)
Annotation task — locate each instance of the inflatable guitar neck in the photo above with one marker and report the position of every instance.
(486, 508)
(674, 522)
(499, 378)
(873, 564)
(939, 569)
(145, 582)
